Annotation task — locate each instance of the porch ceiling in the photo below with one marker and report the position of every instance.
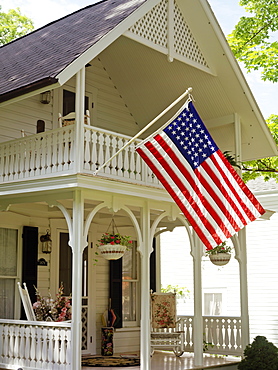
(41, 210)
(148, 83)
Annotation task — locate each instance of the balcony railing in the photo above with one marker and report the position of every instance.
(221, 335)
(47, 345)
(35, 345)
(54, 152)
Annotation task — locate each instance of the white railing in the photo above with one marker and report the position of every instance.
(35, 345)
(52, 153)
(44, 154)
(100, 145)
(222, 335)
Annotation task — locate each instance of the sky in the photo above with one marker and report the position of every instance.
(227, 13)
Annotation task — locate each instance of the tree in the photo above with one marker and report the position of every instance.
(266, 167)
(251, 44)
(13, 24)
(251, 39)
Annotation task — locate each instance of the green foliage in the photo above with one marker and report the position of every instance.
(253, 42)
(260, 355)
(266, 167)
(114, 239)
(181, 292)
(221, 248)
(13, 25)
(251, 39)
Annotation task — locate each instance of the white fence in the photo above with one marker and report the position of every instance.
(35, 345)
(54, 152)
(222, 335)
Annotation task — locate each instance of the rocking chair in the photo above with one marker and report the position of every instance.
(27, 304)
(166, 332)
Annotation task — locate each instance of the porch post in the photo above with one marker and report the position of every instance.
(78, 243)
(242, 260)
(197, 252)
(79, 119)
(145, 353)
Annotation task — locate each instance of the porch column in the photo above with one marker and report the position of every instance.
(197, 252)
(79, 119)
(145, 353)
(78, 243)
(242, 260)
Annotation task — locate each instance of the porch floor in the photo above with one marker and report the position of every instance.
(162, 360)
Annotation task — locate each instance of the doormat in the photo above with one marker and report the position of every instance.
(110, 361)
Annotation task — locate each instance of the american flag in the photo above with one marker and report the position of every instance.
(204, 185)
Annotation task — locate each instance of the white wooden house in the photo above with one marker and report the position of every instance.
(120, 62)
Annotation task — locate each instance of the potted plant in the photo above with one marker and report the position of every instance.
(113, 246)
(220, 255)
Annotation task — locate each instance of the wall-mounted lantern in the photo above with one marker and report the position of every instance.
(45, 97)
(46, 242)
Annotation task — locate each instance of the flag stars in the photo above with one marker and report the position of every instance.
(191, 137)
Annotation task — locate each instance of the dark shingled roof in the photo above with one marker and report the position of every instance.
(35, 60)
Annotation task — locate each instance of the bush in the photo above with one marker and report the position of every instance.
(260, 355)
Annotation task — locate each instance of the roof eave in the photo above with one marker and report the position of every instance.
(105, 41)
(28, 90)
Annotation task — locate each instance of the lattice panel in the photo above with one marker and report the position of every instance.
(153, 26)
(84, 319)
(185, 43)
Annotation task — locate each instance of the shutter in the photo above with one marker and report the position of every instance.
(153, 267)
(29, 261)
(116, 291)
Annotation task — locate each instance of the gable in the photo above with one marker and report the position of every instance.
(164, 29)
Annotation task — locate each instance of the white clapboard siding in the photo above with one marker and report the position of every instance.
(263, 277)
(112, 112)
(126, 341)
(23, 115)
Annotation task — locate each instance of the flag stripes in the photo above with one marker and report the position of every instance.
(210, 193)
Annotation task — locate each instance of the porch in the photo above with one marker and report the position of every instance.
(41, 345)
(162, 360)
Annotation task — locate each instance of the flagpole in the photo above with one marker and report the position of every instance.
(187, 92)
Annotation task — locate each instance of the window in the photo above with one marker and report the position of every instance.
(130, 287)
(124, 288)
(8, 271)
(214, 302)
(65, 266)
(69, 102)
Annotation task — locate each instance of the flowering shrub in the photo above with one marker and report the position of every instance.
(47, 309)
(108, 238)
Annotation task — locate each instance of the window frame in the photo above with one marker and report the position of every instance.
(136, 265)
(223, 292)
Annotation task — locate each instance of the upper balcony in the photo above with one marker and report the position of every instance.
(54, 153)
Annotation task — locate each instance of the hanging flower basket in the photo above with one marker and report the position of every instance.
(220, 259)
(112, 252)
(112, 246)
(220, 255)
